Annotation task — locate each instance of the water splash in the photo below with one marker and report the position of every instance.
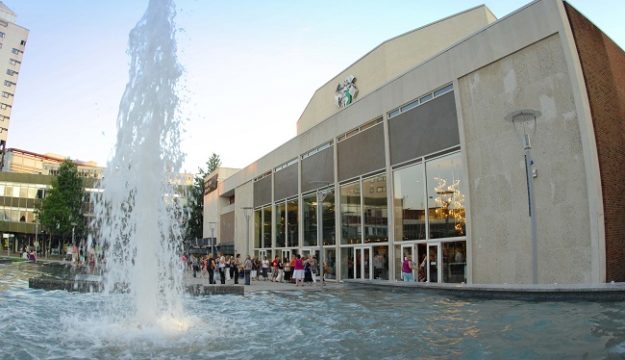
(136, 212)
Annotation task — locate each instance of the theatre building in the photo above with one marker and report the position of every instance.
(487, 150)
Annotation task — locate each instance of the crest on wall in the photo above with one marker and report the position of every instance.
(346, 91)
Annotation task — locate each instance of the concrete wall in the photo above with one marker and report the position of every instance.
(244, 198)
(393, 58)
(535, 77)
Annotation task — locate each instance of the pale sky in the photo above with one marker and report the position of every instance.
(250, 66)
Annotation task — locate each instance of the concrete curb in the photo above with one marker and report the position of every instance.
(551, 292)
(89, 286)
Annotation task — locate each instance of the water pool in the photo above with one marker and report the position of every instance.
(345, 324)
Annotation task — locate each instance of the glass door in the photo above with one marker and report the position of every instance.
(363, 263)
(421, 261)
(286, 255)
(262, 254)
(433, 268)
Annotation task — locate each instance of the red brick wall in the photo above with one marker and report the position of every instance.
(603, 65)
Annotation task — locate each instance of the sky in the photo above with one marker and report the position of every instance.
(250, 67)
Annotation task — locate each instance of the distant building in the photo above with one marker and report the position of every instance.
(418, 149)
(27, 162)
(219, 212)
(12, 43)
(20, 196)
(24, 182)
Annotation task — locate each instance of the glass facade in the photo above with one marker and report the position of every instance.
(258, 230)
(351, 219)
(309, 207)
(292, 224)
(328, 218)
(22, 207)
(281, 224)
(445, 188)
(409, 202)
(417, 211)
(375, 209)
(267, 227)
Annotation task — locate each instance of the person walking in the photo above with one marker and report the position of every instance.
(194, 265)
(406, 269)
(210, 267)
(236, 264)
(265, 267)
(247, 269)
(298, 272)
(312, 261)
(287, 269)
(222, 269)
(280, 276)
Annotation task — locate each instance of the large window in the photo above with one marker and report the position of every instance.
(350, 214)
(286, 223)
(267, 227)
(262, 227)
(445, 188)
(292, 236)
(375, 209)
(409, 203)
(310, 219)
(281, 224)
(258, 230)
(328, 219)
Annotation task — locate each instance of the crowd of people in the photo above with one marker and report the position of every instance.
(296, 270)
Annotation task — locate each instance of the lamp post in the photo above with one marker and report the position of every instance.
(73, 228)
(247, 212)
(524, 122)
(211, 224)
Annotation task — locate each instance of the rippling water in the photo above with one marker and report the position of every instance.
(337, 324)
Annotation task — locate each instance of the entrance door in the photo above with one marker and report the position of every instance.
(286, 255)
(363, 263)
(421, 261)
(433, 268)
(263, 254)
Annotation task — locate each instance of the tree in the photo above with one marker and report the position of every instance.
(195, 223)
(62, 208)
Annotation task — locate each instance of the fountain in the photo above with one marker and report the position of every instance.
(136, 212)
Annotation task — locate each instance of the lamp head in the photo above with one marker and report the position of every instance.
(524, 122)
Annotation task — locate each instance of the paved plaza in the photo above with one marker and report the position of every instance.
(262, 285)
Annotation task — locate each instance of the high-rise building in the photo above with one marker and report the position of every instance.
(12, 43)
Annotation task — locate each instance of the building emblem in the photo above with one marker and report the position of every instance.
(346, 92)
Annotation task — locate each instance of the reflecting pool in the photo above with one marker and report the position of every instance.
(343, 324)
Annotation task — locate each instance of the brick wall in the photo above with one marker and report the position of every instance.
(603, 66)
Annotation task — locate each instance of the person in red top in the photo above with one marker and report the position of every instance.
(298, 272)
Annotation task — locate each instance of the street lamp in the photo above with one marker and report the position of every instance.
(73, 228)
(247, 211)
(524, 122)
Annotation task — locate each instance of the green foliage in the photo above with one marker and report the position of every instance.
(195, 222)
(63, 204)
